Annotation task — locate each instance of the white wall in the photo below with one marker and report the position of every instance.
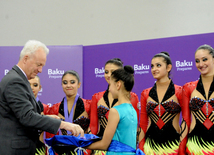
(91, 22)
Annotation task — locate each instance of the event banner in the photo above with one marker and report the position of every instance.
(89, 62)
(138, 54)
(59, 60)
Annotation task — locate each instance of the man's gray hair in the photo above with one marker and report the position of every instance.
(31, 46)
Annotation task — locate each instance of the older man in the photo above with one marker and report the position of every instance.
(20, 116)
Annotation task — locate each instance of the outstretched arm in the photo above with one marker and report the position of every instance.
(111, 127)
(74, 128)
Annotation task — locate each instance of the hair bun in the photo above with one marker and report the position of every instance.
(166, 53)
(118, 59)
(129, 69)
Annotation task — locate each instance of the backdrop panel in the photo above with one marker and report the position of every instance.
(59, 60)
(139, 54)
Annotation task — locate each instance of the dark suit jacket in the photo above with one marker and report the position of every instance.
(20, 116)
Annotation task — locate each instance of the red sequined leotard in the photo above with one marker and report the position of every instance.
(201, 137)
(161, 137)
(81, 106)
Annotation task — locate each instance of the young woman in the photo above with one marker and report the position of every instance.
(101, 102)
(122, 119)
(160, 111)
(198, 104)
(72, 108)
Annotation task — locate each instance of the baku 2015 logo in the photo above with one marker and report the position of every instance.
(183, 65)
(141, 69)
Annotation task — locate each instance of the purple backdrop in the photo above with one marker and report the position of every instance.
(89, 62)
(59, 60)
(139, 54)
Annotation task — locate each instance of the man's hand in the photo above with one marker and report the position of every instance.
(75, 129)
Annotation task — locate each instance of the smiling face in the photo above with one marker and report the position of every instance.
(159, 68)
(34, 63)
(204, 62)
(70, 85)
(35, 86)
(109, 68)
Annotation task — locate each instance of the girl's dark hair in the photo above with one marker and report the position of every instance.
(166, 57)
(126, 75)
(115, 61)
(72, 72)
(206, 47)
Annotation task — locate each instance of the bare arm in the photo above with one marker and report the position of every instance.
(108, 133)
